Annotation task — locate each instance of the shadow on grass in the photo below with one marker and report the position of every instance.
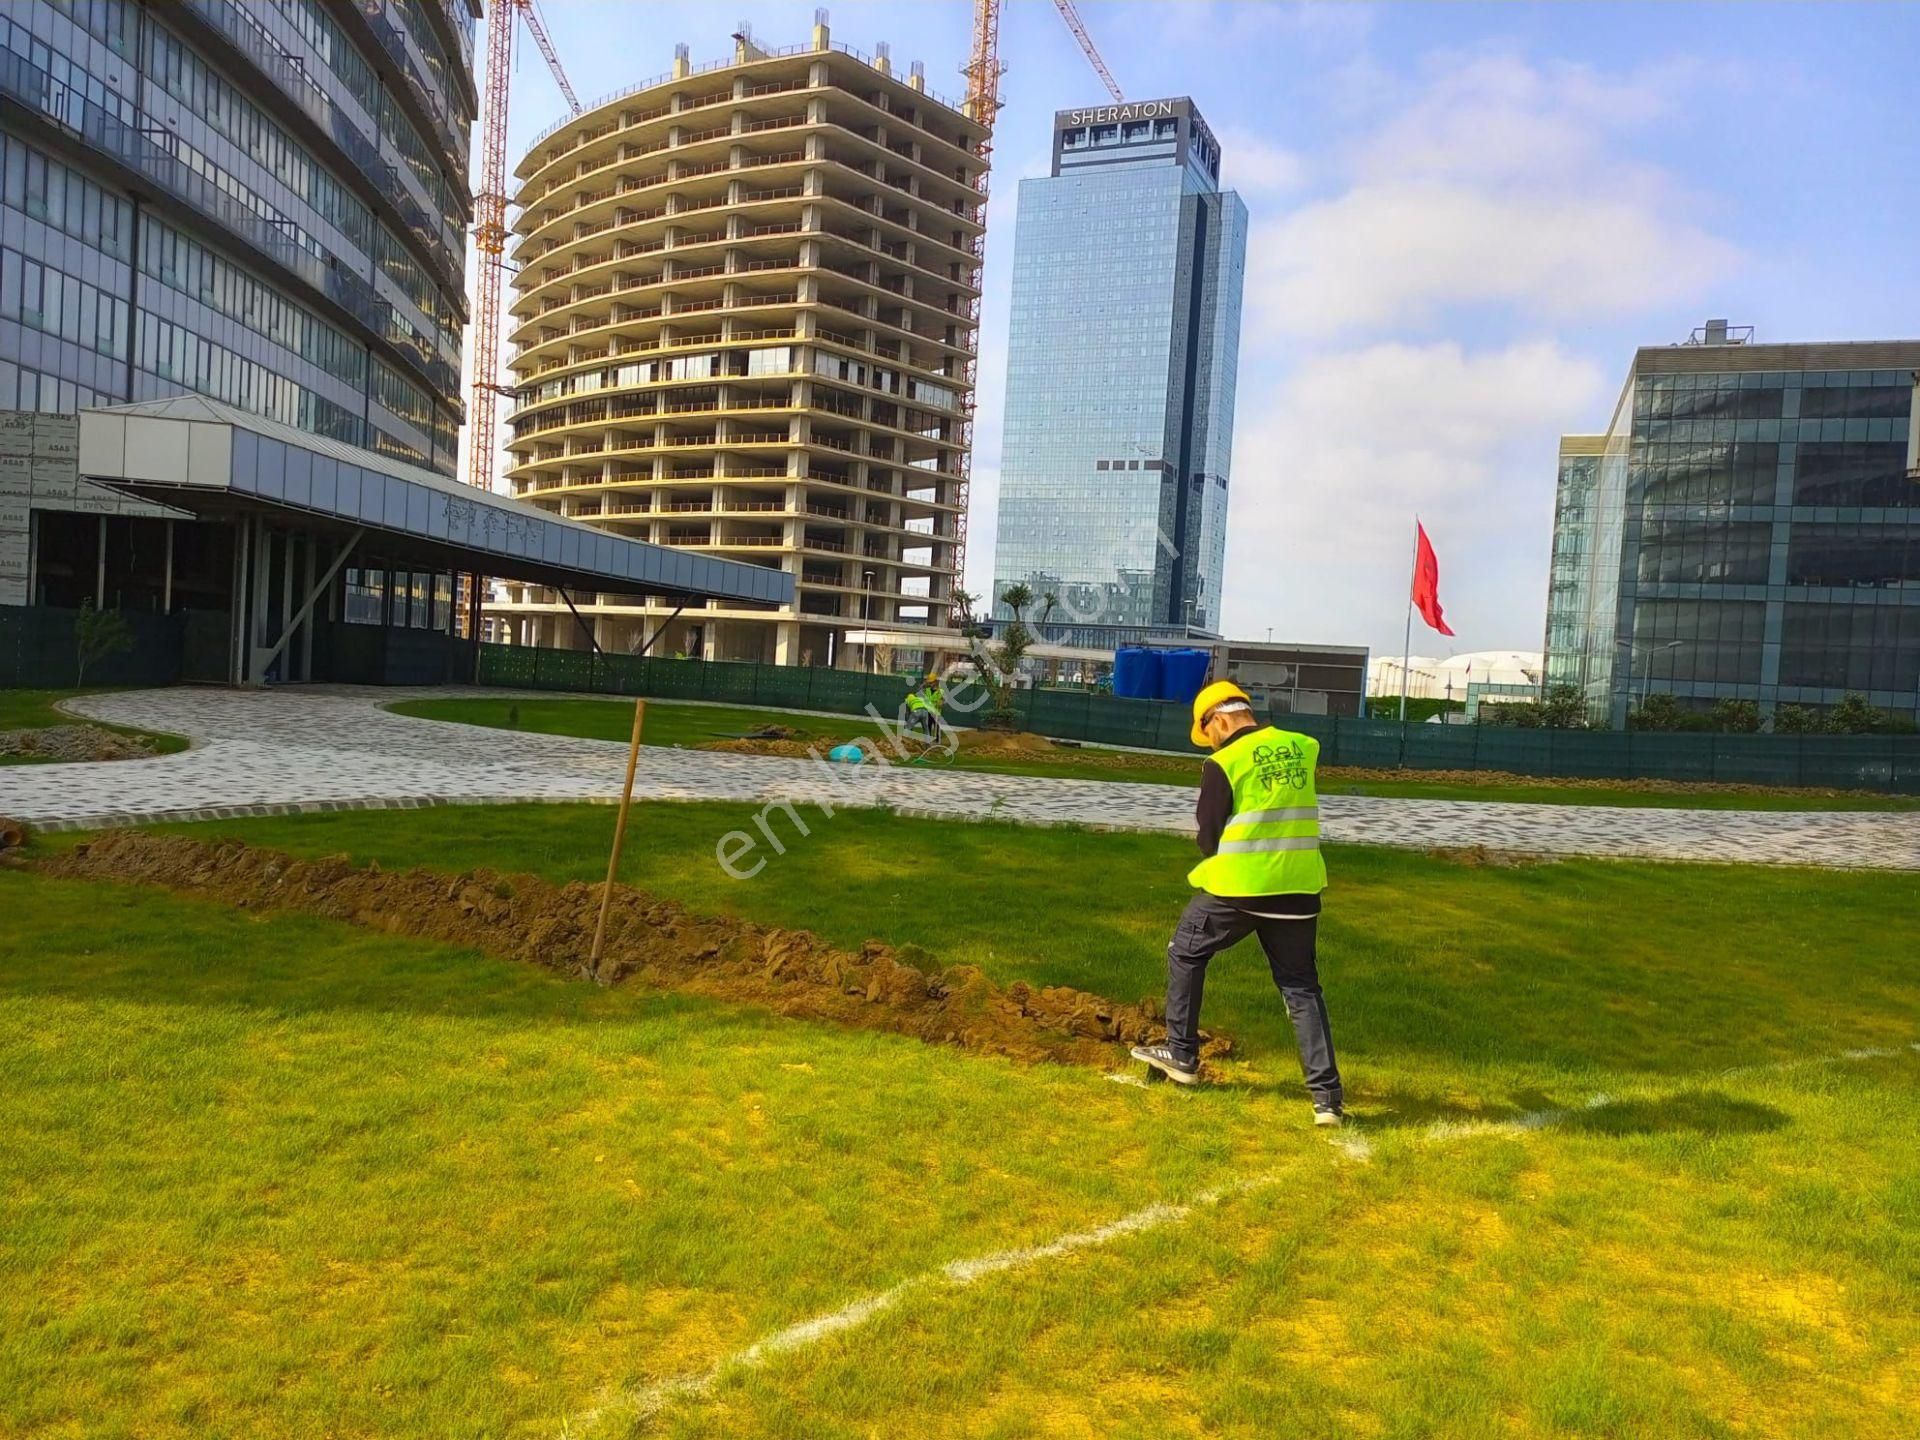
(1695, 1112)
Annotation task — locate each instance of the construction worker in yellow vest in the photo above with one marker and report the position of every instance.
(923, 707)
(1259, 831)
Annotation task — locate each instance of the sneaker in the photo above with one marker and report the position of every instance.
(1330, 1116)
(1162, 1059)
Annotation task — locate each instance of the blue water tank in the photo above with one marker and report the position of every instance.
(1183, 674)
(1136, 672)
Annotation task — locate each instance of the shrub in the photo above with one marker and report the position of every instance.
(1736, 717)
(1563, 709)
(1655, 712)
(1854, 716)
(1796, 720)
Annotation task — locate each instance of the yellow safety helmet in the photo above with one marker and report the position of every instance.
(1217, 693)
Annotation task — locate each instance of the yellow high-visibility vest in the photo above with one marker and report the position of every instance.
(1271, 843)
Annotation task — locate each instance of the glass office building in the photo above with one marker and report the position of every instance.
(1747, 528)
(1115, 460)
(263, 202)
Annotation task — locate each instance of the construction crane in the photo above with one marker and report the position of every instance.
(1072, 17)
(983, 70)
(490, 223)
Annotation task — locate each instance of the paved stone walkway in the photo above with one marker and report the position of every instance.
(335, 748)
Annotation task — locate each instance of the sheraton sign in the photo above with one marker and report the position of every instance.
(1108, 114)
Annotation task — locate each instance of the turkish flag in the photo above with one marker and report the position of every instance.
(1426, 582)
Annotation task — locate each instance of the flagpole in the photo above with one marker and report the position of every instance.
(1406, 653)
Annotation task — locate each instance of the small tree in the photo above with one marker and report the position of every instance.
(1048, 602)
(964, 619)
(98, 635)
(997, 665)
(1736, 717)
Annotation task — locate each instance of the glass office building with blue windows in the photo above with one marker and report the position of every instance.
(263, 202)
(1748, 528)
(1129, 261)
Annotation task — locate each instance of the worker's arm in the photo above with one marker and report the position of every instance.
(1214, 807)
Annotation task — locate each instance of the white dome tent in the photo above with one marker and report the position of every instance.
(1447, 678)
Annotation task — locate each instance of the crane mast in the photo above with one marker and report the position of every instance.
(982, 70)
(490, 224)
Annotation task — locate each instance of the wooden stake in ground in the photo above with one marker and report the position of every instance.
(619, 837)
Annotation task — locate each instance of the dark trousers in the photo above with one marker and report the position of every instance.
(1211, 925)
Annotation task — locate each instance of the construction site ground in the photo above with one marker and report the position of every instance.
(725, 727)
(300, 1143)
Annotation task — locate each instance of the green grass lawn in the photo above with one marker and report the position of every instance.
(34, 710)
(270, 1175)
(669, 723)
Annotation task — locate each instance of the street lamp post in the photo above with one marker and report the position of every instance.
(866, 615)
(1646, 678)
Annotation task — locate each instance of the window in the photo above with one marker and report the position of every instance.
(182, 263)
(364, 600)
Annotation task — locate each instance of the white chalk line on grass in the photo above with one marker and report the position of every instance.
(646, 1402)
(1867, 1052)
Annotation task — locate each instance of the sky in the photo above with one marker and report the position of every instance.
(1465, 218)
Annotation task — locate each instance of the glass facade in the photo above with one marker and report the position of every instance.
(225, 198)
(1129, 262)
(1748, 528)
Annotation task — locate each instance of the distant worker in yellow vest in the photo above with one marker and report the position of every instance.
(923, 707)
(1259, 824)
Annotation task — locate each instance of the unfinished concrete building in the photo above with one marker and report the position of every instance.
(744, 324)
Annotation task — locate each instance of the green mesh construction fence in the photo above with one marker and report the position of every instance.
(38, 650)
(1888, 763)
(780, 687)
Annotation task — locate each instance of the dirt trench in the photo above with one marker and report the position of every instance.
(522, 917)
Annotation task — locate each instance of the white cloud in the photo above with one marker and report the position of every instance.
(1331, 467)
(1497, 182)
(1254, 165)
(1406, 252)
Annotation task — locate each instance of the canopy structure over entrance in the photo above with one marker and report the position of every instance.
(306, 507)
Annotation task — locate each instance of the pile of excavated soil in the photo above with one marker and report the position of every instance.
(799, 749)
(72, 742)
(521, 917)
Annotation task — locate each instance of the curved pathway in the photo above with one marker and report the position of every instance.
(336, 748)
